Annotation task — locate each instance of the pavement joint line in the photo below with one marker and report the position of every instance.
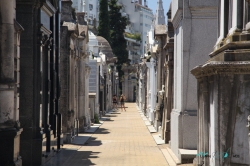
(80, 146)
(169, 161)
(133, 150)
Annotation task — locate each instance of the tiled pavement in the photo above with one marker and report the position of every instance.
(122, 140)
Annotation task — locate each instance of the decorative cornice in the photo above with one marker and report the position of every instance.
(177, 18)
(204, 12)
(232, 42)
(45, 30)
(48, 8)
(71, 26)
(218, 68)
(18, 27)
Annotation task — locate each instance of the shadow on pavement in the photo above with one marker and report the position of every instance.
(110, 115)
(71, 157)
(102, 131)
(93, 142)
(109, 120)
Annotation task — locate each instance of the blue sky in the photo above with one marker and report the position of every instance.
(152, 4)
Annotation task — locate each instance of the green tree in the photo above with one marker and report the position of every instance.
(103, 28)
(117, 28)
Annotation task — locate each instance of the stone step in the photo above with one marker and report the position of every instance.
(187, 155)
(151, 129)
(173, 156)
(168, 157)
(158, 139)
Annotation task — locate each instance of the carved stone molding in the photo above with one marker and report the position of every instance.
(48, 8)
(216, 68)
(204, 12)
(177, 18)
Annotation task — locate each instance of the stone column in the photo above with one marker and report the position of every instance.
(9, 126)
(97, 101)
(126, 84)
(87, 110)
(148, 89)
(76, 90)
(152, 90)
(168, 104)
(81, 92)
(159, 69)
(140, 90)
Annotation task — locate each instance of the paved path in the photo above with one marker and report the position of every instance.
(122, 140)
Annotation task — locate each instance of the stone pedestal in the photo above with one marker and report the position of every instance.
(10, 146)
(223, 100)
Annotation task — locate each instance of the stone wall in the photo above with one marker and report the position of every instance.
(194, 39)
(223, 93)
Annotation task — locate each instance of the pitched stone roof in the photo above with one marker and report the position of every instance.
(160, 29)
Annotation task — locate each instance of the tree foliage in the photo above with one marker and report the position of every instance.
(136, 36)
(103, 28)
(118, 43)
(118, 25)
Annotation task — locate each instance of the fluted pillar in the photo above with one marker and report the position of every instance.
(86, 108)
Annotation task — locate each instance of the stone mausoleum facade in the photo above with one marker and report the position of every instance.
(223, 90)
(193, 22)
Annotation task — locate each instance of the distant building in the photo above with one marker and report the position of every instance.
(140, 18)
(90, 7)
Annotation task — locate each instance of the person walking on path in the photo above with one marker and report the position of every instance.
(115, 102)
(122, 100)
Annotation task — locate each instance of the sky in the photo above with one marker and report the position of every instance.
(152, 4)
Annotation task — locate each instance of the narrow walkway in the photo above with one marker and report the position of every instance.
(122, 140)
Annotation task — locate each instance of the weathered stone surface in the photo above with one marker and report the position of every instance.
(190, 29)
(38, 81)
(223, 94)
(228, 92)
(67, 11)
